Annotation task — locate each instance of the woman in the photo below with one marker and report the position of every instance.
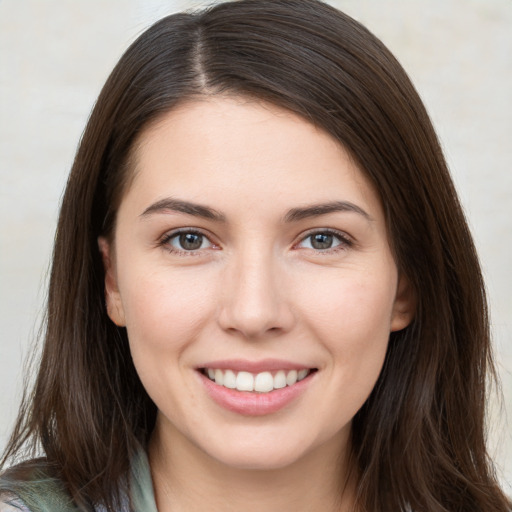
(264, 292)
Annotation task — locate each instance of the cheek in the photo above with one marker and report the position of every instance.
(352, 319)
(164, 310)
(359, 306)
(165, 314)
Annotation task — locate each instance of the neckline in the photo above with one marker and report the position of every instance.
(141, 484)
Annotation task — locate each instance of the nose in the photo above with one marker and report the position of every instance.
(254, 302)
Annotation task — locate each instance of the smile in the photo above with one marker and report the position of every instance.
(262, 382)
(256, 388)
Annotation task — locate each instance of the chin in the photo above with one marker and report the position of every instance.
(261, 453)
(258, 460)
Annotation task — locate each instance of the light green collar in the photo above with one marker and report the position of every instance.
(143, 497)
(42, 493)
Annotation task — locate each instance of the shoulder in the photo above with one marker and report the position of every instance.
(34, 487)
(31, 487)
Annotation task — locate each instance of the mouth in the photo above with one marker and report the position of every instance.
(256, 388)
(261, 382)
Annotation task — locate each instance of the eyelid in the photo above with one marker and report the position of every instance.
(164, 240)
(346, 241)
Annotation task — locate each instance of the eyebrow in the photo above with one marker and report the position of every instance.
(293, 215)
(178, 205)
(316, 210)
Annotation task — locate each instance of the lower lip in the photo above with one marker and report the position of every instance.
(254, 403)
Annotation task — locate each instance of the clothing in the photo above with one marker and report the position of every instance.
(45, 494)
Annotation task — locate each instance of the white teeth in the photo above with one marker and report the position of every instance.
(244, 381)
(263, 382)
(219, 377)
(229, 379)
(291, 377)
(280, 380)
(301, 374)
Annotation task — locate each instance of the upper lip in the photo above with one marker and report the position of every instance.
(243, 365)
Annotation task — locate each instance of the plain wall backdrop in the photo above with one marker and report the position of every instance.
(55, 56)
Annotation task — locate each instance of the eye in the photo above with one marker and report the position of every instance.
(324, 241)
(186, 241)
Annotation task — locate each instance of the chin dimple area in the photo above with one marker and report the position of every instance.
(263, 382)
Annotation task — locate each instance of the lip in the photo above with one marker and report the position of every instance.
(252, 403)
(243, 365)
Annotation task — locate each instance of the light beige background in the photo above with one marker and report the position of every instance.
(56, 54)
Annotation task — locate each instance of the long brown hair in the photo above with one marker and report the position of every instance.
(418, 442)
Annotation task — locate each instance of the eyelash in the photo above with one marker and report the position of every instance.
(168, 237)
(345, 242)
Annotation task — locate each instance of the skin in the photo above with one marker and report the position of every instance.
(256, 288)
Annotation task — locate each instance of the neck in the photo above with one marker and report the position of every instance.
(185, 478)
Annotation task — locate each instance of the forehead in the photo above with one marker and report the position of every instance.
(226, 148)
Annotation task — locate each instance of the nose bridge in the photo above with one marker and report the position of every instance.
(255, 302)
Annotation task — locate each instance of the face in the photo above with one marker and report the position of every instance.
(251, 267)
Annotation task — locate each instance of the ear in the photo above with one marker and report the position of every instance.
(404, 307)
(115, 309)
